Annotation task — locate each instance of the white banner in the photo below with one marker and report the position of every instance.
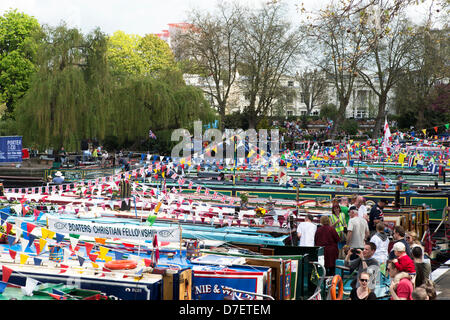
(116, 230)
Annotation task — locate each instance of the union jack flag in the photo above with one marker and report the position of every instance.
(151, 135)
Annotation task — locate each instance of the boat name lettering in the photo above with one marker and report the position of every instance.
(202, 289)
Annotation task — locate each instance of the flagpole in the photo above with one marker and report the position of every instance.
(181, 237)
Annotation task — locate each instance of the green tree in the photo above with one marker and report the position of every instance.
(66, 101)
(418, 86)
(157, 54)
(17, 53)
(123, 55)
(328, 111)
(131, 54)
(74, 96)
(349, 126)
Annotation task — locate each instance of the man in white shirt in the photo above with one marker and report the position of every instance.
(358, 229)
(306, 231)
(362, 209)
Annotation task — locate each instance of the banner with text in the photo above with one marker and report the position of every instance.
(11, 149)
(122, 231)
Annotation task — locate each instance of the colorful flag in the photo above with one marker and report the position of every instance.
(151, 135)
(387, 135)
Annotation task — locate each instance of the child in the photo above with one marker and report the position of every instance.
(403, 262)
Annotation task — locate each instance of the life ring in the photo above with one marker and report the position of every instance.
(337, 280)
(121, 264)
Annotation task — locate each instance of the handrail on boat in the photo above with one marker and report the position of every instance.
(321, 280)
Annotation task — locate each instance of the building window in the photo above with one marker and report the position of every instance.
(360, 114)
(290, 113)
(303, 113)
(290, 83)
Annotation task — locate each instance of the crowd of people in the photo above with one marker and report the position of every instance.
(295, 132)
(360, 237)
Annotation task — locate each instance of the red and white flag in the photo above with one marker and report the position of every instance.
(386, 139)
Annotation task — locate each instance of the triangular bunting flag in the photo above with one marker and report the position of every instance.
(38, 248)
(12, 253)
(51, 234)
(89, 247)
(118, 255)
(8, 227)
(63, 268)
(42, 244)
(11, 240)
(81, 260)
(100, 240)
(44, 232)
(3, 286)
(59, 237)
(30, 227)
(3, 217)
(103, 252)
(93, 257)
(37, 261)
(6, 273)
(23, 258)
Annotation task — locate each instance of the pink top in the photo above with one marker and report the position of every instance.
(405, 289)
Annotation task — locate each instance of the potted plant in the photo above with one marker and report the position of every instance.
(244, 200)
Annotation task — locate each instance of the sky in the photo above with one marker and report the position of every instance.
(131, 16)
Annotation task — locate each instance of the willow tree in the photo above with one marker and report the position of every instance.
(157, 103)
(75, 96)
(68, 97)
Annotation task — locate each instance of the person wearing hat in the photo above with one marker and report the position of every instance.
(357, 231)
(376, 216)
(59, 178)
(402, 261)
